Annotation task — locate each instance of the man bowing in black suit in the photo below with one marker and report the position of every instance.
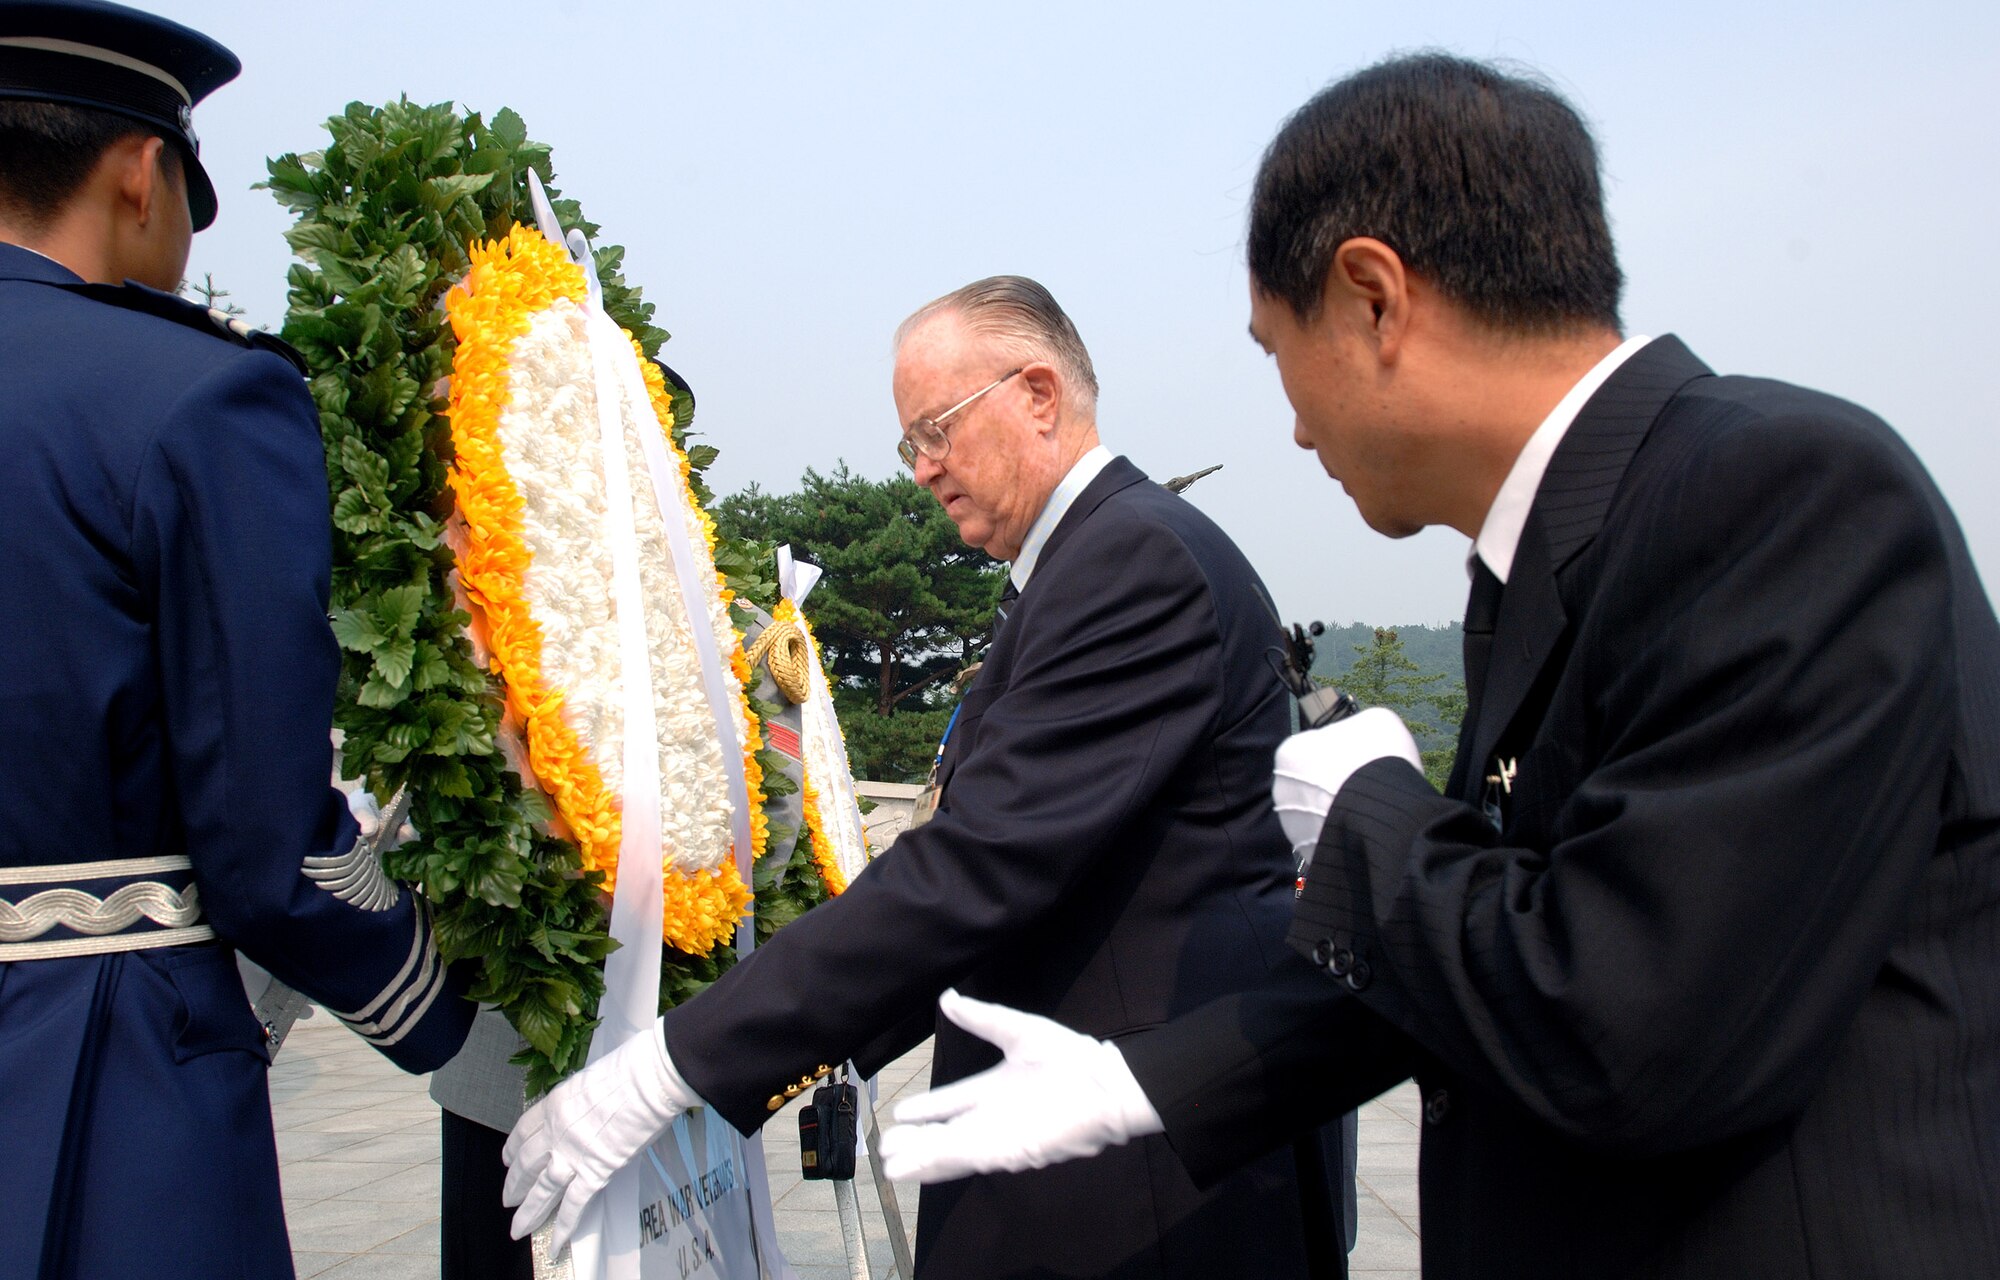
(1695, 960)
(1105, 850)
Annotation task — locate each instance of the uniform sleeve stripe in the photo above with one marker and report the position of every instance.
(392, 1019)
(415, 1018)
(422, 958)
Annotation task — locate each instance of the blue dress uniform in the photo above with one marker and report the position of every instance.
(167, 679)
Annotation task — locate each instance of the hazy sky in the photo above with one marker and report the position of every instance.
(1804, 191)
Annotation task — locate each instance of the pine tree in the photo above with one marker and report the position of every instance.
(1384, 676)
(904, 607)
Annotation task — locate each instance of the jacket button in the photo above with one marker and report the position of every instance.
(1358, 976)
(775, 1101)
(1322, 952)
(1342, 963)
(1437, 1106)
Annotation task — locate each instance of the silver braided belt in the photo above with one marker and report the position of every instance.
(137, 915)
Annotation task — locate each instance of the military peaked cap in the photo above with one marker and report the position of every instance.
(89, 53)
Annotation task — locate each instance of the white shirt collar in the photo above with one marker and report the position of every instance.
(1081, 473)
(1500, 533)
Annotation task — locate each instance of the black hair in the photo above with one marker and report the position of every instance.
(1486, 184)
(47, 149)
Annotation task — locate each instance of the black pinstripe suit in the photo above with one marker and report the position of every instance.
(1721, 997)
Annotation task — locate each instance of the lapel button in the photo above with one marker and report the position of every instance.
(1437, 1107)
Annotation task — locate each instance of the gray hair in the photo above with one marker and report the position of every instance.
(1020, 317)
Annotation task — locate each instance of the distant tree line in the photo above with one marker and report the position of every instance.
(1433, 648)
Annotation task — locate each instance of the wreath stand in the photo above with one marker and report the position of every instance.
(848, 1201)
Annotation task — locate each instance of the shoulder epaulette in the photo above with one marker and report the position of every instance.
(210, 320)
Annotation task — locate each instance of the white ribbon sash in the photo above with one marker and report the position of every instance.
(631, 973)
(820, 725)
(607, 1244)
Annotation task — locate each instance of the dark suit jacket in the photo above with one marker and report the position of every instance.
(1718, 999)
(1105, 854)
(166, 688)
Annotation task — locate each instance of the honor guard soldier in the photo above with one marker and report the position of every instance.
(166, 686)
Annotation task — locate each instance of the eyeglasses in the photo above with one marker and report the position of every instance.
(926, 435)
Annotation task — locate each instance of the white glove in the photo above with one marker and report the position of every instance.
(1312, 767)
(590, 1126)
(1060, 1095)
(367, 811)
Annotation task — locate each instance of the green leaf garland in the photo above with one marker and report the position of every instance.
(385, 211)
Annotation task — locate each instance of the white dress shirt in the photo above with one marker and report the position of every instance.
(1500, 533)
(1080, 474)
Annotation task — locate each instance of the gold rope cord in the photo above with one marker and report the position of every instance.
(785, 645)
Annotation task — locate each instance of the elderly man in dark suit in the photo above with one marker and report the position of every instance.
(1695, 959)
(1105, 851)
(166, 691)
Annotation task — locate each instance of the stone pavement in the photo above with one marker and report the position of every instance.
(358, 1152)
(358, 1156)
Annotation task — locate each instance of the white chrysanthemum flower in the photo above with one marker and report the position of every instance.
(550, 432)
(826, 764)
